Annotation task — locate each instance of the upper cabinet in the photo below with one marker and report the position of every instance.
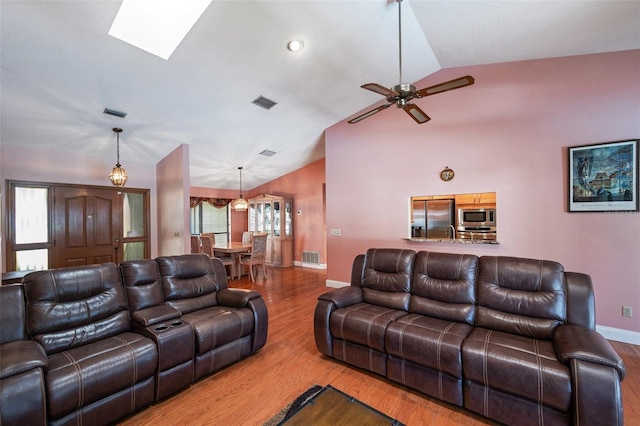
(272, 214)
(478, 199)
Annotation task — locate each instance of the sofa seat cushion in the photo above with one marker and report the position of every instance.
(216, 326)
(83, 375)
(427, 341)
(363, 323)
(522, 366)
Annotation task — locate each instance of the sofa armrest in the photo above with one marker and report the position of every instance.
(21, 355)
(327, 303)
(252, 300)
(580, 343)
(155, 314)
(343, 296)
(236, 297)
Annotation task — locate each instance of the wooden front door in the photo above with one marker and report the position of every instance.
(87, 224)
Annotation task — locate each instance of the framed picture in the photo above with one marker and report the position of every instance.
(604, 177)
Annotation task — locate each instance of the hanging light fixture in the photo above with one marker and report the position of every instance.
(118, 175)
(240, 205)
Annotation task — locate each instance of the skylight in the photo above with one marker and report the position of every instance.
(157, 26)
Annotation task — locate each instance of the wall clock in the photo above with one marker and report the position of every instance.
(446, 174)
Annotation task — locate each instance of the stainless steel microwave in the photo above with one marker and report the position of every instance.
(479, 218)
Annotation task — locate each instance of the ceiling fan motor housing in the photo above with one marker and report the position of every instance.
(404, 93)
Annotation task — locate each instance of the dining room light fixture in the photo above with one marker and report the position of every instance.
(240, 204)
(118, 175)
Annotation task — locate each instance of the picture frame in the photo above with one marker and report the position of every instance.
(603, 177)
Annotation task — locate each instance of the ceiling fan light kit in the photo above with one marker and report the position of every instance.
(402, 94)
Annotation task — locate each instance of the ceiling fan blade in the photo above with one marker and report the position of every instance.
(375, 87)
(467, 80)
(416, 113)
(368, 114)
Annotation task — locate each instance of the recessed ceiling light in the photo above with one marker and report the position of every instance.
(295, 45)
(157, 26)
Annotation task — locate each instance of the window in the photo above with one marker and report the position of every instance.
(134, 234)
(206, 218)
(30, 232)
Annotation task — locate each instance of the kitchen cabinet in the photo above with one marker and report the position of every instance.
(273, 215)
(476, 199)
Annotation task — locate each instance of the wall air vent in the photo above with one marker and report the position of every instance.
(263, 102)
(115, 113)
(311, 257)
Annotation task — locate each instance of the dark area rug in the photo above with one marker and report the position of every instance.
(329, 406)
(287, 411)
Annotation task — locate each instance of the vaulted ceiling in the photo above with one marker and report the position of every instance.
(60, 70)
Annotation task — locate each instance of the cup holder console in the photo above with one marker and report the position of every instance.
(165, 326)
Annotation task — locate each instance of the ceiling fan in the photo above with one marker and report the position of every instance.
(402, 94)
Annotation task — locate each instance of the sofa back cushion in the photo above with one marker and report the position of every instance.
(70, 307)
(444, 286)
(12, 314)
(189, 282)
(143, 283)
(386, 277)
(521, 296)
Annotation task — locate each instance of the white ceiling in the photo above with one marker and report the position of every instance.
(60, 69)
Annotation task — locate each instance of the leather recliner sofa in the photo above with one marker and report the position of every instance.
(512, 339)
(100, 342)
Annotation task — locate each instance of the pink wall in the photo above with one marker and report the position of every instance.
(306, 187)
(172, 174)
(508, 133)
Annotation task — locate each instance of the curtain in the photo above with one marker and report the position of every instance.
(215, 202)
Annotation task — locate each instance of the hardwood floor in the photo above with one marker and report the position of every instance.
(252, 391)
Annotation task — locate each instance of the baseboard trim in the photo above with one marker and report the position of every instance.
(310, 265)
(619, 334)
(336, 284)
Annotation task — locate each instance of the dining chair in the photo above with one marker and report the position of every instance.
(246, 237)
(257, 256)
(195, 244)
(208, 242)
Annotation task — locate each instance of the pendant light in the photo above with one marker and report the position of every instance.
(118, 175)
(240, 205)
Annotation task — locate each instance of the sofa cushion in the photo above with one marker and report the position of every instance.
(189, 282)
(71, 307)
(215, 327)
(80, 376)
(363, 323)
(444, 286)
(522, 366)
(521, 296)
(386, 277)
(142, 283)
(427, 341)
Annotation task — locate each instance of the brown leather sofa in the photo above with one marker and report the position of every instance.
(512, 339)
(93, 344)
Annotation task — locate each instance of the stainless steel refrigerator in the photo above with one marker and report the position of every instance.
(440, 218)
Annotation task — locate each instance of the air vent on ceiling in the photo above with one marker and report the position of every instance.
(114, 112)
(267, 153)
(263, 102)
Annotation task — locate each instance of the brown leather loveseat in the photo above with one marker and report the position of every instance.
(512, 339)
(100, 342)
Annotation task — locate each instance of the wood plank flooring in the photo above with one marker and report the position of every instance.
(252, 391)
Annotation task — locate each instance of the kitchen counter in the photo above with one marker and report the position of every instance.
(450, 241)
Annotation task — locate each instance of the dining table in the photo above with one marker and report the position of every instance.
(235, 249)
